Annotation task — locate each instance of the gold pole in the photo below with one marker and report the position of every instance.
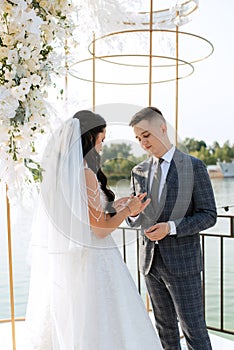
(148, 303)
(10, 270)
(5, 320)
(150, 52)
(177, 85)
(94, 77)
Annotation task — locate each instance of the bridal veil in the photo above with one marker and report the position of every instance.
(60, 235)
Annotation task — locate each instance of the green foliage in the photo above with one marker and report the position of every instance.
(209, 154)
(35, 168)
(193, 145)
(119, 150)
(118, 161)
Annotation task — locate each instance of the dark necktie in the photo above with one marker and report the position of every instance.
(156, 184)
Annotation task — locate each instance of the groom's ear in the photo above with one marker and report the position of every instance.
(164, 128)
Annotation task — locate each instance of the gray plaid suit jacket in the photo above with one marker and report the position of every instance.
(188, 200)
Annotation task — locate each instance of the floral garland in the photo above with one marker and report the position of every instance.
(33, 48)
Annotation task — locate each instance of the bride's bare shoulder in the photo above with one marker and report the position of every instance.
(91, 179)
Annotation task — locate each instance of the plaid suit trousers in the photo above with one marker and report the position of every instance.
(168, 308)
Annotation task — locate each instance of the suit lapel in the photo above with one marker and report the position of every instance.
(172, 177)
(142, 174)
(175, 168)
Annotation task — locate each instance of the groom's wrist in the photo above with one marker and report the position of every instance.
(168, 228)
(171, 228)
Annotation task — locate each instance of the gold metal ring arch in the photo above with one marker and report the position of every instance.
(168, 31)
(103, 58)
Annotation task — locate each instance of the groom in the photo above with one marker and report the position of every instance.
(182, 204)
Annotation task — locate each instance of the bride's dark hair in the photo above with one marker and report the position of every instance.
(91, 124)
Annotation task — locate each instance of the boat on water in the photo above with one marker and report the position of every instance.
(221, 170)
(227, 169)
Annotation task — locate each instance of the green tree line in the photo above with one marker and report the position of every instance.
(209, 154)
(118, 159)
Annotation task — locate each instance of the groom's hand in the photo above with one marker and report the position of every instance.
(141, 196)
(158, 231)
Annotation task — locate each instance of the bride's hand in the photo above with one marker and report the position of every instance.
(135, 204)
(120, 203)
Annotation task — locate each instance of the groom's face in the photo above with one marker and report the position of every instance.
(150, 135)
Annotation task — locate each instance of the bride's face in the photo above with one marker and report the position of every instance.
(99, 140)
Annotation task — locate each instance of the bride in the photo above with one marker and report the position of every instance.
(82, 295)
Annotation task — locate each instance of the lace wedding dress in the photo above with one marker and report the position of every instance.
(82, 296)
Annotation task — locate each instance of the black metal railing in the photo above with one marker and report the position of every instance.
(220, 241)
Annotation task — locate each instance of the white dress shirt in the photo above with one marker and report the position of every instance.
(165, 165)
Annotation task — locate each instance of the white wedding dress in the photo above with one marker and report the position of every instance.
(83, 297)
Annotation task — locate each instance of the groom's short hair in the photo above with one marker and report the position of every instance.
(147, 113)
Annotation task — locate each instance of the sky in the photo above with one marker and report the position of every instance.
(205, 97)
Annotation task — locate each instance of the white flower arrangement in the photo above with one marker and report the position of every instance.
(33, 36)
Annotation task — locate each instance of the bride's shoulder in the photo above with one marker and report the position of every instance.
(91, 179)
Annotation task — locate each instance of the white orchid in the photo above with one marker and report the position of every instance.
(8, 105)
(35, 79)
(13, 56)
(25, 52)
(19, 93)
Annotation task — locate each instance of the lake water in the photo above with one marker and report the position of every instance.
(21, 221)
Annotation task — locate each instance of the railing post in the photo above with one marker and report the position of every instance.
(124, 245)
(221, 283)
(203, 276)
(138, 263)
(232, 226)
